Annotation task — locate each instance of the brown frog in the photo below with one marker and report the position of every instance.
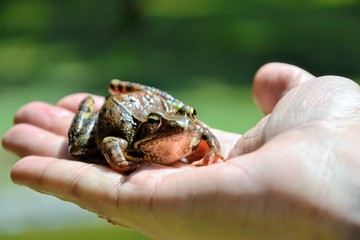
(139, 124)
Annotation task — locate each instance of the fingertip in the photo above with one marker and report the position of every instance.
(23, 173)
(17, 169)
(25, 139)
(5, 139)
(10, 140)
(273, 80)
(24, 113)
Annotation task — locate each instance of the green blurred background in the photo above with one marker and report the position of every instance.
(204, 52)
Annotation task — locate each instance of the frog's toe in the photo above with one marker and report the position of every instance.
(210, 158)
(198, 163)
(126, 167)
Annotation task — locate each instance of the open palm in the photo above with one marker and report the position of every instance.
(294, 174)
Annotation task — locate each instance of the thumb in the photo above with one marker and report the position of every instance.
(273, 80)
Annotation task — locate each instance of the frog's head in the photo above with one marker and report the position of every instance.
(169, 123)
(168, 137)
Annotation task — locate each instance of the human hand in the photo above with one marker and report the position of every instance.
(294, 175)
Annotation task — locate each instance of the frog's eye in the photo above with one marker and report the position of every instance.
(181, 111)
(154, 119)
(187, 111)
(193, 112)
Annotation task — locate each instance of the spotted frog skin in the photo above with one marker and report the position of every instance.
(139, 124)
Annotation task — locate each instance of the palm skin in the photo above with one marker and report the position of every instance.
(294, 175)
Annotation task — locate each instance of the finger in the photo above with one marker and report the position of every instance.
(78, 182)
(93, 187)
(71, 102)
(251, 140)
(273, 80)
(125, 200)
(43, 115)
(24, 140)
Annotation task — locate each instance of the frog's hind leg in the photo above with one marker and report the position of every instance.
(82, 130)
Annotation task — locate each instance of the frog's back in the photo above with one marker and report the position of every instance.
(141, 103)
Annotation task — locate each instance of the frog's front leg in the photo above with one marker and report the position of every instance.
(114, 151)
(212, 154)
(81, 133)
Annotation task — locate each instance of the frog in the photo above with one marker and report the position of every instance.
(137, 125)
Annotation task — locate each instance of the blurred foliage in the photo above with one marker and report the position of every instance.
(78, 233)
(169, 44)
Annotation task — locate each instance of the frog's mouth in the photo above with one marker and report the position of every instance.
(169, 148)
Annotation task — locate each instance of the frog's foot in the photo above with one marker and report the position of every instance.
(211, 157)
(113, 151)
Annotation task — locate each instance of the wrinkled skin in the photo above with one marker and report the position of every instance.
(295, 175)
